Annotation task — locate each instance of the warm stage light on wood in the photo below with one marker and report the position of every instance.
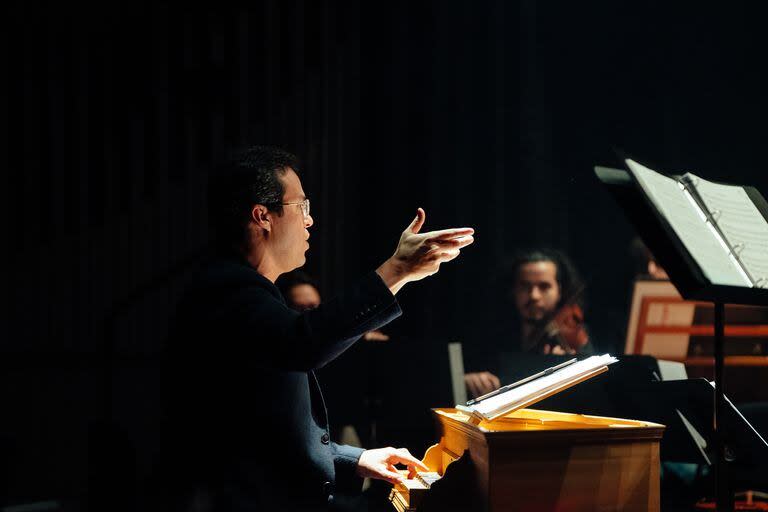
(538, 461)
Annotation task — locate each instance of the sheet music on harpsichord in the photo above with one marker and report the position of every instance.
(718, 224)
(537, 387)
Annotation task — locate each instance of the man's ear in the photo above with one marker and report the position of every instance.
(261, 216)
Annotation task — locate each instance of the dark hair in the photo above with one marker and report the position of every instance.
(641, 256)
(286, 282)
(568, 278)
(249, 177)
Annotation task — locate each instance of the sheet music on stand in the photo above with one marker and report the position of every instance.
(711, 238)
(537, 387)
(718, 224)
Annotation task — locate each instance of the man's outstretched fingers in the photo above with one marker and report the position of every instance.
(450, 233)
(418, 254)
(451, 242)
(443, 247)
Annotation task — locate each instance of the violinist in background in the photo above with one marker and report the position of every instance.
(547, 293)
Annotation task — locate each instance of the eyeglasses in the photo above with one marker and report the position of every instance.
(304, 206)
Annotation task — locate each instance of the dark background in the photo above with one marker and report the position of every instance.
(487, 113)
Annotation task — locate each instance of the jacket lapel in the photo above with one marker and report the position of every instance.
(318, 403)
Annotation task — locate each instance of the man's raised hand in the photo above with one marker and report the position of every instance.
(419, 255)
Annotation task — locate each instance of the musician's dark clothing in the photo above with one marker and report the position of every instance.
(486, 352)
(248, 420)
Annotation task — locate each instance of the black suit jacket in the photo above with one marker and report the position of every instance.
(249, 428)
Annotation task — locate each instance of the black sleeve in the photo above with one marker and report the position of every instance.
(262, 326)
(345, 459)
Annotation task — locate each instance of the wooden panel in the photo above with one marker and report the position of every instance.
(542, 460)
(549, 476)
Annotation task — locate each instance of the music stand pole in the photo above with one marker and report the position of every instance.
(723, 496)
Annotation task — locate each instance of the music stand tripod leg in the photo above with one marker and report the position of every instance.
(723, 493)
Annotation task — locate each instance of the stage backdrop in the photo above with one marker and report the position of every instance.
(490, 114)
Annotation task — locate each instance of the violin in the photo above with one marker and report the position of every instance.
(565, 329)
(568, 328)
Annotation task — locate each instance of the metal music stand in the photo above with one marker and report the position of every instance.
(691, 282)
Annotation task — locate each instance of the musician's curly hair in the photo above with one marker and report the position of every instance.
(568, 278)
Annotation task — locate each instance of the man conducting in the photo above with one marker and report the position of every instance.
(249, 425)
